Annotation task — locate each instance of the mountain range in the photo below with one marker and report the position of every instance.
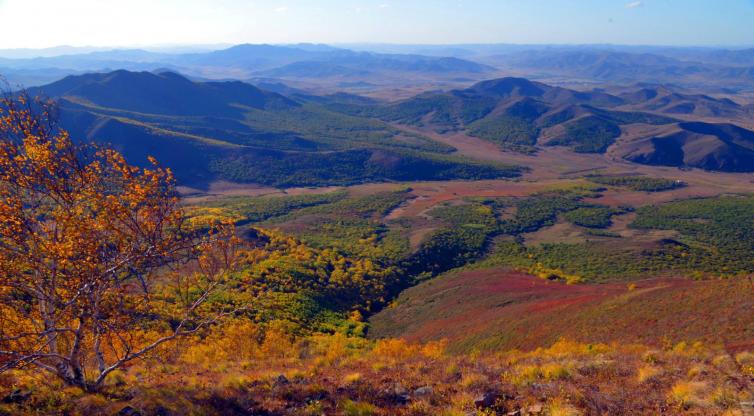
(732, 69)
(642, 125)
(235, 131)
(304, 61)
(396, 65)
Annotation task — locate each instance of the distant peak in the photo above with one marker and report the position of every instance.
(509, 86)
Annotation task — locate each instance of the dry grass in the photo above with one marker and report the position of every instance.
(351, 376)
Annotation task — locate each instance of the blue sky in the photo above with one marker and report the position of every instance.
(171, 22)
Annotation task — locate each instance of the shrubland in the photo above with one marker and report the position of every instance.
(250, 369)
(638, 183)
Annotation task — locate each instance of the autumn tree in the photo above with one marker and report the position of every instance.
(97, 265)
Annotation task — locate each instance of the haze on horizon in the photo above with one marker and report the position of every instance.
(109, 23)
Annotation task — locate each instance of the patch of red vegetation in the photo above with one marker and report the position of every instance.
(498, 308)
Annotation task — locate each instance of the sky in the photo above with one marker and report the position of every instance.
(129, 23)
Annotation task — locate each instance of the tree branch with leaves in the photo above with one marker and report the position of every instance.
(98, 266)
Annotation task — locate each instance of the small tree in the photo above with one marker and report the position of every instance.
(97, 267)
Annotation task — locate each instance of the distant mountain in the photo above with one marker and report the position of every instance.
(668, 101)
(520, 87)
(26, 53)
(248, 57)
(18, 78)
(515, 113)
(618, 64)
(640, 124)
(304, 61)
(735, 69)
(235, 131)
(730, 57)
(363, 64)
(166, 93)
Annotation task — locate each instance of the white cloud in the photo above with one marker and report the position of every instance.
(634, 4)
(384, 6)
(282, 9)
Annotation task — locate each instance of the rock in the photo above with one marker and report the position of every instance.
(424, 391)
(535, 409)
(162, 411)
(128, 411)
(318, 396)
(17, 396)
(401, 398)
(396, 393)
(281, 380)
(747, 408)
(486, 400)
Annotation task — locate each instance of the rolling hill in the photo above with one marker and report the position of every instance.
(236, 131)
(655, 125)
(720, 147)
(166, 93)
(516, 112)
(232, 130)
(667, 100)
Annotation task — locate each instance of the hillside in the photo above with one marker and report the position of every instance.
(235, 131)
(499, 309)
(667, 100)
(165, 93)
(515, 113)
(524, 116)
(720, 147)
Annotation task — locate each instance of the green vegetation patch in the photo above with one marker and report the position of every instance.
(463, 239)
(638, 183)
(716, 237)
(541, 210)
(353, 226)
(718, 233)
(252, 210)
(595, 216)
(511, 132)
(288, 169)
(590, 134)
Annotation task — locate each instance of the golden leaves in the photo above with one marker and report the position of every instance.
(85, 237)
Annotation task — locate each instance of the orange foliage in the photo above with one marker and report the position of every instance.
(84, 237)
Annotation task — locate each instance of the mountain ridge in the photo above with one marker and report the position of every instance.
(236, 131)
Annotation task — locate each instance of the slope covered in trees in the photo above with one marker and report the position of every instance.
(235, 131)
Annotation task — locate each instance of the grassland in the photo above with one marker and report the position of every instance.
(492, 309)
(247, 370)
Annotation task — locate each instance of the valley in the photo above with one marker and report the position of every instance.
(505, 230)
